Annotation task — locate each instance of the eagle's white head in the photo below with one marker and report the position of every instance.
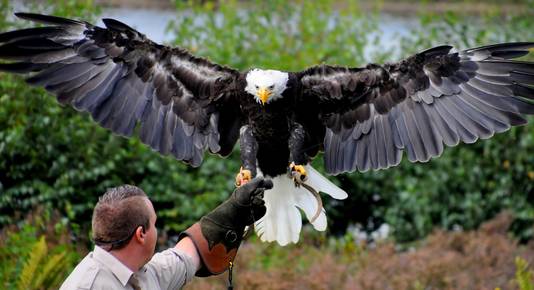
(266, 85)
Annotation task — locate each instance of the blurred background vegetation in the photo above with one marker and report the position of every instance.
(56, 162)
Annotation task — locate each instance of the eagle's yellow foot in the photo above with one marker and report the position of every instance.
(243, 177)
(298, 173)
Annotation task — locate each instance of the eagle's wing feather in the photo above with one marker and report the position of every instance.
(373, 114)
(183, 105)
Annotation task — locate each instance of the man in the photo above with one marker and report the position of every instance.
(125, 234)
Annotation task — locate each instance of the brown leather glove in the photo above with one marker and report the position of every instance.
(219, 233)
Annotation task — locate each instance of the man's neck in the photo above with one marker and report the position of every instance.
(129, 257)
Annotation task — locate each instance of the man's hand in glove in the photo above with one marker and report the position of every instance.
(219, 233)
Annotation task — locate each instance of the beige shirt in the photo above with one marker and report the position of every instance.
(169, 269)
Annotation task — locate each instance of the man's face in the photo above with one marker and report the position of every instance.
(151, 233)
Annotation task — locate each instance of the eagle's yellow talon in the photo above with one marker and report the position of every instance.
(298, 172)
(243, 177)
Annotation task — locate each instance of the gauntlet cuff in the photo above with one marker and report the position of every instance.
(215, 256)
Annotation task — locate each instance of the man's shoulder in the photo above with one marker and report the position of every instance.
(83, 276)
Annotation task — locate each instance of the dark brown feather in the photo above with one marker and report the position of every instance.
(124, 80)
(429, 99)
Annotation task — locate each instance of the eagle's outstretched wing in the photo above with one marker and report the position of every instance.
(184, 105)
(433, 98)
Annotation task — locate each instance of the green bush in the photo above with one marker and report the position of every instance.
(36, 254)
(58, 158)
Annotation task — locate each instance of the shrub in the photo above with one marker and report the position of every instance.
(481, 259)
(37, 254)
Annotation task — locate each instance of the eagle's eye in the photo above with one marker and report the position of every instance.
(257, 87)
(271, 87)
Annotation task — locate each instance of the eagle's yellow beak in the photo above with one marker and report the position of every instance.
(264, 95)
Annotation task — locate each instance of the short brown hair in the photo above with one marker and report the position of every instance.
(118, 213)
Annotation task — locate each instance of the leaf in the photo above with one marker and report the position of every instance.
(51, 272)
(36, 255)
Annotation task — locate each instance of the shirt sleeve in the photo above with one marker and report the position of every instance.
(172, 268)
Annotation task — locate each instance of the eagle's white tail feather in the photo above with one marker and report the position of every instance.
(306, 201)
(282, 221)
(322, 184)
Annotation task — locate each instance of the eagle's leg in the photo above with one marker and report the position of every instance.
(249, 149)
(297, 155)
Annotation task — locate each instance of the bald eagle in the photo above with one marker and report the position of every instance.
(363, 118)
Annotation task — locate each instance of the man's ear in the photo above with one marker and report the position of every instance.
(140, 234)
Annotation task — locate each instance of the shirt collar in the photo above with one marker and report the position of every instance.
(118, 269)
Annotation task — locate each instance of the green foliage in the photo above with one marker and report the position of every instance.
(57, 158)
(36, 254)
(523, 274)
(41, 271)
(273, 34)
